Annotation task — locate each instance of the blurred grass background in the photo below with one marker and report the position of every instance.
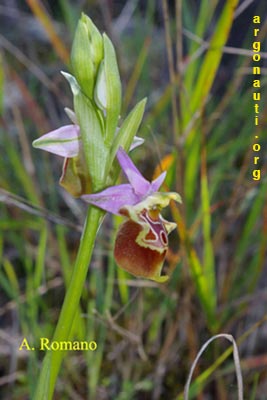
(199, 123)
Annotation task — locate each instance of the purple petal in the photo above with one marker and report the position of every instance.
(126, 163)
(64, 141)
(113, 198)
(156, 184)
(139, 183)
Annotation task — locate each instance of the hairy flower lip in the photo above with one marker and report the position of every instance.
(141, 245)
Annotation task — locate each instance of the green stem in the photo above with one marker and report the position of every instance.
(53, 359)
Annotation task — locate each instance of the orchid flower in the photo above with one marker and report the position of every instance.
(66, 142)
(142, 240)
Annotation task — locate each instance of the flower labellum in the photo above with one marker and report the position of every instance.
(142, 240)
(142, 243)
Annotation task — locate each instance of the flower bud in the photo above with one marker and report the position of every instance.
(86, 54)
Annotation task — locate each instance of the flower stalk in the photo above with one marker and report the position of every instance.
(53, 359)
(90, 148)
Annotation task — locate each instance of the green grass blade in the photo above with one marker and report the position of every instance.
(208, 256)
(40, 261)
(213, 57)
(205, 14)
(202, 89)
